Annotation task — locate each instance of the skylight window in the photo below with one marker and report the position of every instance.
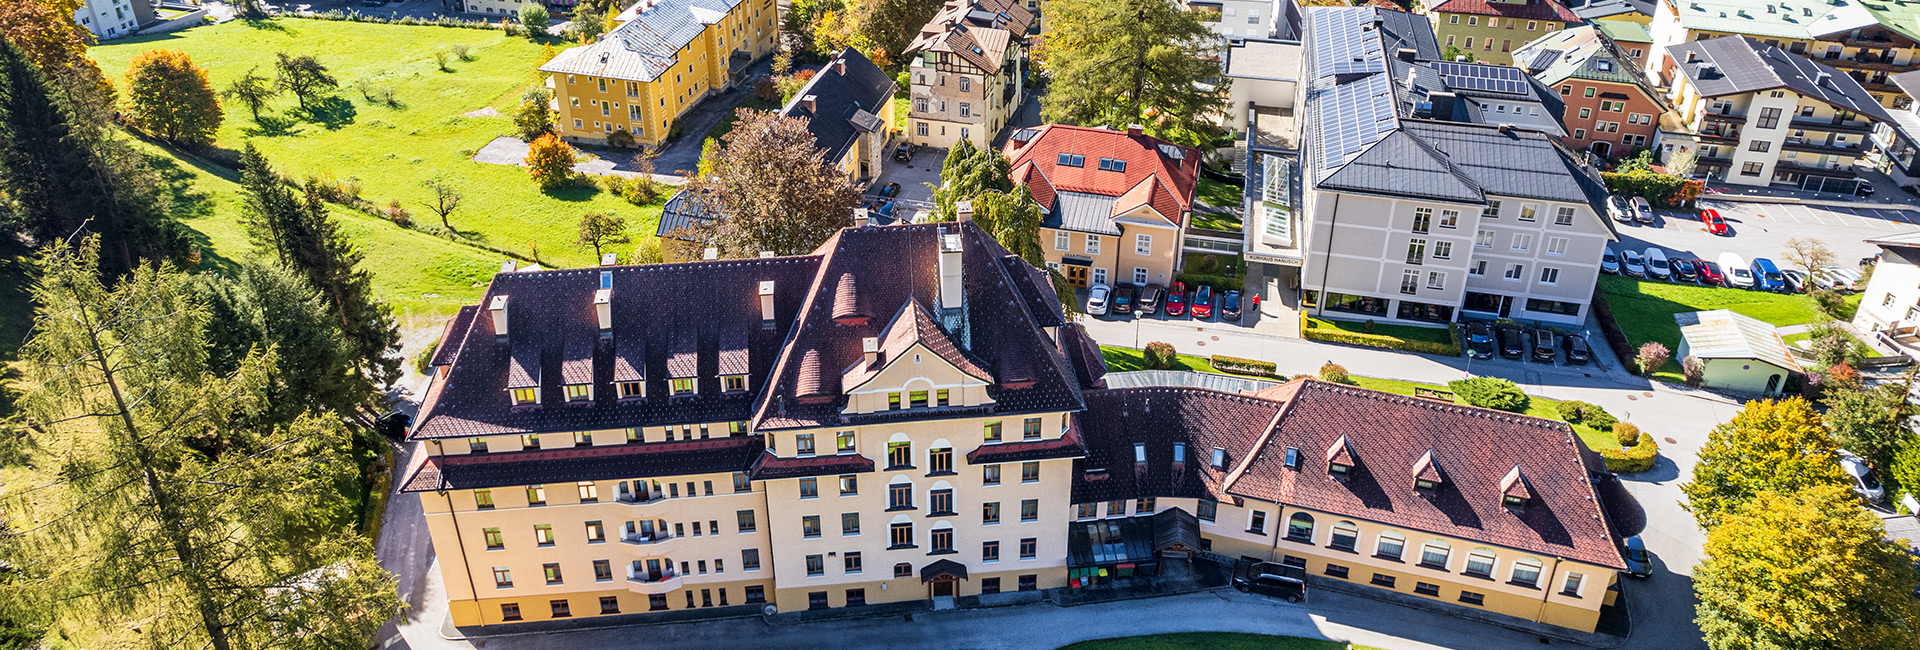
(1072, 160)
(1112, 165)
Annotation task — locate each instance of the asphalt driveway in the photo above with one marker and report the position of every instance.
(1762, 230)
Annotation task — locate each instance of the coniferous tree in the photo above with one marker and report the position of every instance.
(271, 306)
(179, 520)
(42, 168)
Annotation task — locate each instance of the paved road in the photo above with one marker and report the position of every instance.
(1762, 230)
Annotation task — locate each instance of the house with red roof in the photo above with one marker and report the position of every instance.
(1116, 202)
(1489, 30)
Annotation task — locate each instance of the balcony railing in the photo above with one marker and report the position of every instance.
(653, 582)
(635, 498)
(1842, 127)
(644, 539)
(1729, 118)
(1821, 147)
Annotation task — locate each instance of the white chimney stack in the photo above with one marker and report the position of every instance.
(711, 253)
(766, 254)
(603, 307)
(506, 267)
(870, 350)
(952, 289)
(766, 301)
(963, 210)
(498, 309)
(609, 259)
(860, 217)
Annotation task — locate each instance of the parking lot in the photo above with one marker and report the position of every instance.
(1762, 230)
(915, 193)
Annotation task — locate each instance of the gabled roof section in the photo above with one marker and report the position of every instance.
(647, 42)
(1736, 65)
(912, 325)
(848, 95)
(1403, 165)
(1150, 193)
(977, 31)
(1803, 19)
(684, 209)
(1598, 10)
(605, 463)
(1584, 52)
(1514, 484)
(1528, 10)
(1159, 418)
(449, 347)
(1724, 334)
(1146, 157)
(1028, 175)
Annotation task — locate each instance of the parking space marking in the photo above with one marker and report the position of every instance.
(1865, 221)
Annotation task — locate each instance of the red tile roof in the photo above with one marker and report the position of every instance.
(1145, 160)
(1152, 193)
(1531, 10)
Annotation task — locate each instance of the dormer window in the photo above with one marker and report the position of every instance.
(1513, 501)
(632, 389)
(1113, 165)
(530, 441)
(734, 383)
(1426, 474)
(1179, 452)
(917, 399)
(1339, 469)
(1514, 491)
(1341, 459)
(1219, 458)
(579, 392)
(1425, 485)
(1072, 160)
(525, 396)
(682, 386)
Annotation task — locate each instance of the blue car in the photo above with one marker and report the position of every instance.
(1766, 276)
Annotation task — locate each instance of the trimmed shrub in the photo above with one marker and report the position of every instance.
(425, 357)
(1626, 432)
(1335, 373)
(1587, 413)
(1652, 356)
(1694, 371)
(1490, 392)
(1160, 355)
(1309, 331)
(1241, 366)
(1638, 458)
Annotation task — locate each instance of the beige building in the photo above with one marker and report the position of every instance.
(1741, 354)
(1116, 202)
(966, 66)
(848, 108)
(662, 59)
(1869, 41)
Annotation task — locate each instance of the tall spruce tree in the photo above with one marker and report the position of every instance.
(268, 305)
(177, 519)
(42, 167)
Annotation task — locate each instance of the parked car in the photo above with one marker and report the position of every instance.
(1513, 341)
(1479, 339)
(1230, 305)
(1714, 223)
(1201, 304)
(1796, 280)
(890, 190)
(1739, 275)
(1684, 270)
(1177, 299)
(1862, 475)
(1709, 272)
(1639, 561)
(1619, 209)
(1576, 349)
(1543, 345)
(1836, 278)
(1149, 301)
(1766, 276)
(1642, 211)
(1865, 189)
(1097, 300)
(1609, 261)
(1633, 264)
(1657, 266)
(903, 153)
(1123, 297)
(1283, 581)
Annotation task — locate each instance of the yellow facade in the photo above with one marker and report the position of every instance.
(1489, 39)
(1116, 259)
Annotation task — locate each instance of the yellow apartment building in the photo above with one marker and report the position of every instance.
(1116, 203)
(1491, 29)
(903, 420)
(662, 59)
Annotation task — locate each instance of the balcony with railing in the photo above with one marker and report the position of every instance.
(641, 498)
(653, 582)
(1801, 144)
(1830, 172)
(644, 538)
(1725, 117)
(1849, 126)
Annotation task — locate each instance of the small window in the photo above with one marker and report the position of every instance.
(1072, 160)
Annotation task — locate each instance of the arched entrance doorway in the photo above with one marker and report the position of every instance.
(1602, 149)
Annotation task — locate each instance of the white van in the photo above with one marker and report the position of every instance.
(1657, 264)
(1739, 275)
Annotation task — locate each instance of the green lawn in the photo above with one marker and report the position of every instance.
(1213, 641)
(1221, 195)
(1125, 359)
(1409, 332)
(392, 150)
(1644, 310)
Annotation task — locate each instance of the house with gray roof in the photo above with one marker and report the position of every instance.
(1755, 114)
(848, 110)
(1413, 209)
(1609, 107)
(1899, 137)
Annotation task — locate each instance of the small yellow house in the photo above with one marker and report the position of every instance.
(1741, 353)
(1116, 203)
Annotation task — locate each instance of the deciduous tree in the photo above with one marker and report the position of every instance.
(50, 36)
(1770, 445)
(1808, 253)
(445, 200)
(598, 229)
(535, 115)
(177, 519)
(252, 90)
(968, 172)
(588, 23)
(304, 76)
(550, 161)
(1808, 569)
(536, 19)
(889, 26)
(773, 189)
(1866, 421)
(1122, 62)
(171, 98)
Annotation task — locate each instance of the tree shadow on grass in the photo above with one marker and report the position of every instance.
(271, 126)
(329, 112)
(191, 203)
(573, 193)
(265, 25)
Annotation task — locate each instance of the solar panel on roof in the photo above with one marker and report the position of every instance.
(1348, 45)
(1484, 78)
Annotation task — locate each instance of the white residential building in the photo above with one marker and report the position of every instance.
(109, 19)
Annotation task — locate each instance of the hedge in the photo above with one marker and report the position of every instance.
(1638, 458)
(441, 21)
(1244, 366)
(1610, 331)
(1490, 392)
(1331, 335)
(1659, 189)
(1220, 283)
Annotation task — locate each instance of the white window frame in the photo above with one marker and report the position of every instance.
(1140, 275)
(1142, 244)
(1436, 281)
(1483, 239)
(1515, 272)
(1557, 246)
(1410, 282)
(1522, 242)
(1061, 240)
(1443, 250)
(1099, 275)
(1529, 212)
(1477, 269)
(1563, 216)
(1549, 275)
(1449, 219)
(1093, 245)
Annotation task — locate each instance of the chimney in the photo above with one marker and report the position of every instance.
(609, 259)
(766, 254)
(1506, 128)
(1133, 130)
(498, 308)
(712, 253)
(840, 67)
(807, 102)
(766, 302)
(603, 308)
(870, 350)
(1442, 105)
(952, 289)
(859, 217)
(1408, 54)
(507, 266)
(963, 210)
(1824, 79)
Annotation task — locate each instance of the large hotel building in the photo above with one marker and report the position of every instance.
(903, 419)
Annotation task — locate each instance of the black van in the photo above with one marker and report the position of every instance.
(1283, 581)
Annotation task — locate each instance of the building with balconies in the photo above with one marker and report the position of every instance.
(1868, 41)
(1899, 138)
(1607, 104)
(1755, 114)
(966, 68)
(662, 58)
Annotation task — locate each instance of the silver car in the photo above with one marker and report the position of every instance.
(1642, 211)
(1619, 209)
(1862, 475)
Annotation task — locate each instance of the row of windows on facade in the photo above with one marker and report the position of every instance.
(900, 454)
(633, 435)
(900, 498)
(858, 596)
(1436, 555)
(632, 389)
(562, 608)
(638, 491)
(1494, 21)
(1062, 241)
(650, 570)
(640, 531)
(941, 542)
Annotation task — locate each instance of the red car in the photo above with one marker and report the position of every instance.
(1202, 302)
(1715, 224)
(1177, 299)
(1709, 272)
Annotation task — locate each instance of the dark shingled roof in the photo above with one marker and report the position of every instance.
(683, 210)
(768, 466)
(1117, 419)
(449, 346)
(1742, 65)
(620, 462)
(862, 91)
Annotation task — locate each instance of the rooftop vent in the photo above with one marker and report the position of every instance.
(766, 303)
(498, 309)
(603, 309)
(609, 259)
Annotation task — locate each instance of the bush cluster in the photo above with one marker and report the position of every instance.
(1587, 413)
(1638, 458)
(1490, 392)
(1160, 355)
(1245, 366)
(1335, 373)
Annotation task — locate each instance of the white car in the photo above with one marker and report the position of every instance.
(1657, 266)
(1097, 300)
(1631, 262)
(1862, 475)
(1739, 274)
(1837, 278)
(1619, 209)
